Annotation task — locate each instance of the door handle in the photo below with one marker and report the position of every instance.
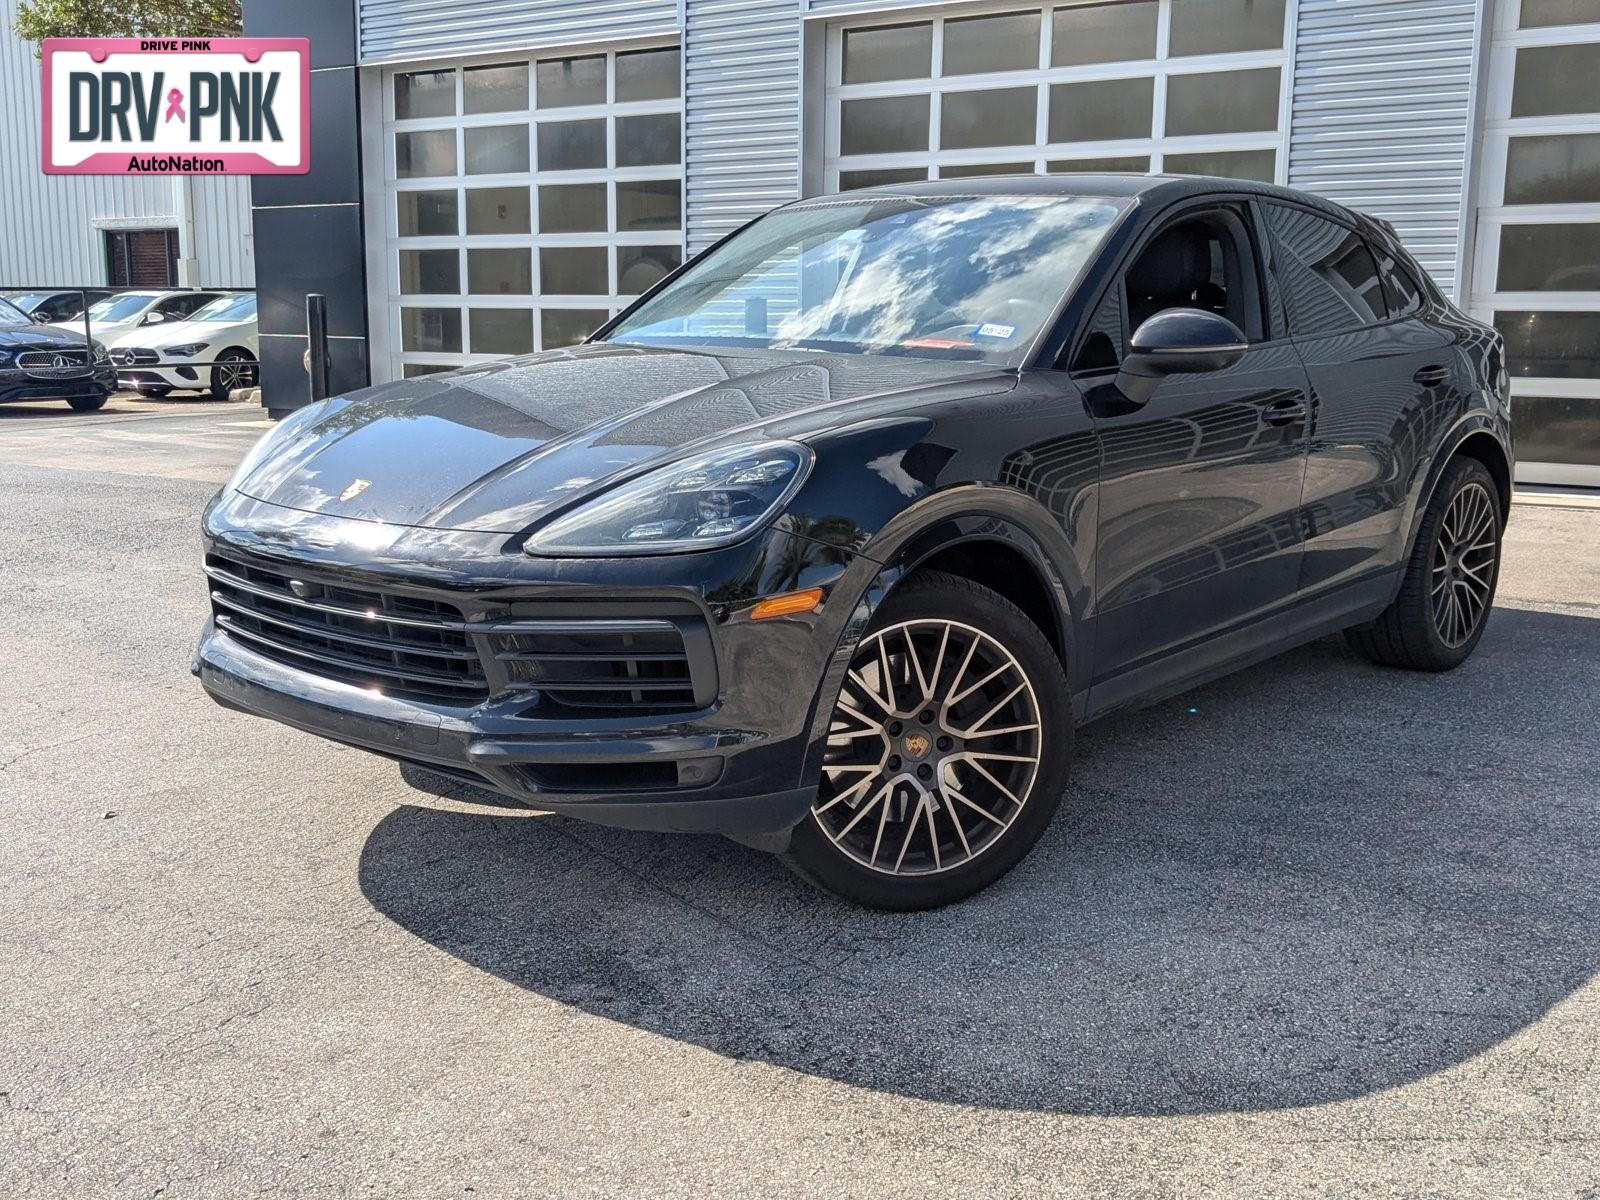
(1432, 375)
(1285, 411)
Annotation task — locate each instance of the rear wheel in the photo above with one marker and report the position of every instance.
(154, 392)
(947, 753)
(233, 369)
(1438, 618)
(86, 403)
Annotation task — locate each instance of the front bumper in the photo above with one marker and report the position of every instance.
(193, 376)
(741, 763)
(16, 385)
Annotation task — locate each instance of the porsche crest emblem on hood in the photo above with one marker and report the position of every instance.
(355, 488)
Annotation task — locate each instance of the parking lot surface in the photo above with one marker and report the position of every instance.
(1315, 929)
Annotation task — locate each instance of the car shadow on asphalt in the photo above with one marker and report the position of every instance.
(1307, 882)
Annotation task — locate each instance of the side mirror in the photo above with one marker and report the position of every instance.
(154, 318)
(41, 317)
(1177, 341)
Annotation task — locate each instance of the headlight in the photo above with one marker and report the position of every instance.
(100, 354)
(187, 350)
(711, 500)
(5, 358)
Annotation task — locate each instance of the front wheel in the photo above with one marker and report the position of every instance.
(947, 752)
(1438, 618)
(233, 369)
(87, 403)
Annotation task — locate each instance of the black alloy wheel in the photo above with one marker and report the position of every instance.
(946, 754)
(1447, 591)
(232, 370)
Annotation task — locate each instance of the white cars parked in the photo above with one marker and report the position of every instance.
(215, 350)
(118, 313)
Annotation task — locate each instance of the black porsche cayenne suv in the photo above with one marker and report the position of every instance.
(829, 541)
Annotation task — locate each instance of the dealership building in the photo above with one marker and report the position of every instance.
(491, 177)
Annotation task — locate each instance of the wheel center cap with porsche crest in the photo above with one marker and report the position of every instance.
(917, 745)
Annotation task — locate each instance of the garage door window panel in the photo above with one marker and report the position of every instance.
(1055, 84)
(497, 211)
(431, 329)
(428, 214)
(1556, 80)
(1103, 33)
(1550, 257)
(998, 117)
(502, 270)
(1553, 169)
(425, 154)
(501, 330)
(422, 94)
(983, 45)
(526, 195)
(497, 150)
(572, 208)
(1222, 102)
(496, 89)
(572, 145)
(569, 82)
(1223, 26)
(430, 272)
(877, 53)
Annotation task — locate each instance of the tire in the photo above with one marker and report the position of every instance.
(1448, 588)
(154, 393)
(956, 811)
(231, 369)
(87, 403)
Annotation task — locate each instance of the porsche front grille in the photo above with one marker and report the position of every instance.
(556, 663)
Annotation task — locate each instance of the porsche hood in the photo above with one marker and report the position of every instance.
(494, 449)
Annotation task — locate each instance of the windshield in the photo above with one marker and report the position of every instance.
(26, 300)
(228, 308)
(10, 314)
(120, 308)
(968, 277)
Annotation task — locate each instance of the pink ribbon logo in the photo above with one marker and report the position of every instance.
(175, 105)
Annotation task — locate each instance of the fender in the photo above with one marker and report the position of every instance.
(966, 513)
(1478, 420)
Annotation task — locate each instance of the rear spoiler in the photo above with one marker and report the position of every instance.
(1383, 223)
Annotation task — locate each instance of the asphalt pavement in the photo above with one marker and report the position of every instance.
(1316, 929)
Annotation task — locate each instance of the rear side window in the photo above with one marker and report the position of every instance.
(1400, 291)
(1329, 273)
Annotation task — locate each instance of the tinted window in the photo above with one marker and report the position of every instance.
(1401, 293)
(1101, 349)
(1198, 262)
(1328, 272)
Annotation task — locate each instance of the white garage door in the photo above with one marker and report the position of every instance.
(1185, 86)
(525, 201)
(1536, 269)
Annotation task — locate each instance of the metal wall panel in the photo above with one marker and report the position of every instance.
(224, 244)
(52, 233)
(1381, 115)
(741, 112)
(401, 30)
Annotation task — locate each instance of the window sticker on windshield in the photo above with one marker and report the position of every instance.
(991, 329)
